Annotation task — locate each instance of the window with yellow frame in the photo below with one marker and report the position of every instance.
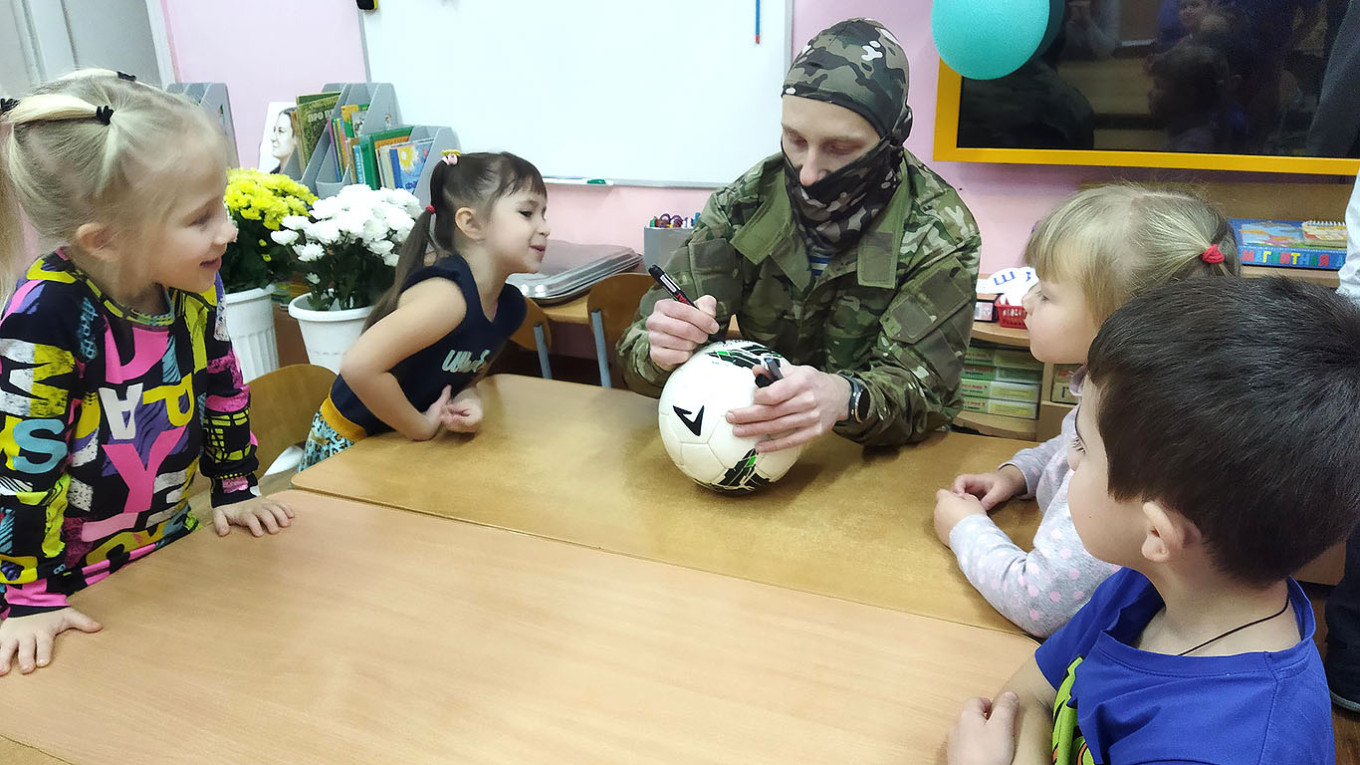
(1258, 85)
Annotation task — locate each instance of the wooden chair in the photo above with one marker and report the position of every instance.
(611, 305)
(534, 334)
(282, 404)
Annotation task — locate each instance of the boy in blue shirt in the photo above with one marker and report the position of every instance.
(1215, 454)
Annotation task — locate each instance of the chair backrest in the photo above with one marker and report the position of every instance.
(533, 317)
(617, 299)
(282, 404)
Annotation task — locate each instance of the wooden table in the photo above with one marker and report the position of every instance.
(14, 753)
(368, 635)
(586, 465)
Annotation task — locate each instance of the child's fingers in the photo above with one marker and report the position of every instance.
(1003, 710)
(440, 402)
(994, 496)
(220, 523)
(282, 513)
(253, 524)
(82, 622)
(266, 518)
(7, 649)
(43, 648)
(974, 708)
(28, 645)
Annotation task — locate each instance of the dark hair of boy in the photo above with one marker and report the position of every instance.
(1236, 403)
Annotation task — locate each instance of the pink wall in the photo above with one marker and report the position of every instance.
(264, 51)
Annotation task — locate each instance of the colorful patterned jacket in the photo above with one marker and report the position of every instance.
(108, 415)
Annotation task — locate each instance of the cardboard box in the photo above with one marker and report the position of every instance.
(973, 404)
(1062, 384)
(992, 372)
(978, 354)
(1015, 359)
(1013, 409)
(1026, 392)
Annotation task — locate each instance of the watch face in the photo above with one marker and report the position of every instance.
(861, 404)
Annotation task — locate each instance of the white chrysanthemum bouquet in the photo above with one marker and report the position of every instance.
(347, 248)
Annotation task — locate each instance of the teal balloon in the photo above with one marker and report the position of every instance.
(987, 39)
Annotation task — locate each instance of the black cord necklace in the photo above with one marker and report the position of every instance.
(1283, 608)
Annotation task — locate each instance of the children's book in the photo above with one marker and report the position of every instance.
(314, 112)
(351, 119)
(408, 161)
(1291, 244)
(372, 146)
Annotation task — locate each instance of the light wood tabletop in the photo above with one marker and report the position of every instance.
(586, 465)
(367, 635)
(13, 753)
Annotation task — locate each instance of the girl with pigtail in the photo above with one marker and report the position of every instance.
(449, 311)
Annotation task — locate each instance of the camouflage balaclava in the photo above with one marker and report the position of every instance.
(859, 65)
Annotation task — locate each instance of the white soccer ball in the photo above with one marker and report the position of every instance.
(693, 419)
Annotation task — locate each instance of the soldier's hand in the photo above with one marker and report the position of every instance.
(795, 410)
(675, 329)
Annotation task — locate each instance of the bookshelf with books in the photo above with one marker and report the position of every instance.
(1001, 384)
(330, 165)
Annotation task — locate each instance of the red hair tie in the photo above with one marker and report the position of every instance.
(1212, 255)
(429, 209)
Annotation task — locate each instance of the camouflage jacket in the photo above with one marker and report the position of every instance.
(895, 311)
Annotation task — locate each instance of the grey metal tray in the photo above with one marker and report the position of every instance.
(569, 270)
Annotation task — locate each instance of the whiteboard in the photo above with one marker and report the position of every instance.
(665, 92)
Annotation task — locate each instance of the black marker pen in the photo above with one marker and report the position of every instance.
(775, 373)
(668, 284)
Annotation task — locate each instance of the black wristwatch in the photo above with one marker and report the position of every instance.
(859, 402)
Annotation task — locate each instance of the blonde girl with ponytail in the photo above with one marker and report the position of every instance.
(118, 377)
(1096, 251)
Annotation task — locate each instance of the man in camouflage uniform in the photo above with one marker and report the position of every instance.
(843, 253)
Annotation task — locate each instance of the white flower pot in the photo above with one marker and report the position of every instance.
(328, 334)
(250, 322)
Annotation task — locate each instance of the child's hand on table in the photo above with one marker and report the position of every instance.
(27, 640)
(985, 732)
(950, 508)
(464, 413)
(259, 514)
(992, 488)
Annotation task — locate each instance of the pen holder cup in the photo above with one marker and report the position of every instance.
(658, 243)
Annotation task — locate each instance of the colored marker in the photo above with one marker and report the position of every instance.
(668, 284)
(757, 22)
